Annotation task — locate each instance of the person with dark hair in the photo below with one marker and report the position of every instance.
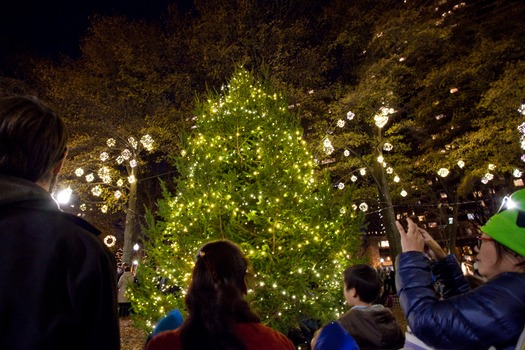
(219, 316)
(491, 315)
(372, 326)
(58, 280)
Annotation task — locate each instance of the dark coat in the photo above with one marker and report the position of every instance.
(373, 327)
(57, 279)
(493, 314)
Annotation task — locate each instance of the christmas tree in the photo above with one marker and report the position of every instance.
(246, 175)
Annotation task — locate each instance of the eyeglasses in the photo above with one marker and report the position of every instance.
(481, 239)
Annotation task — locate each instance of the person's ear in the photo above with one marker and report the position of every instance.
(353, 292)
(60, 164)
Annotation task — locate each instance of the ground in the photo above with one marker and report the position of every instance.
(132, 338)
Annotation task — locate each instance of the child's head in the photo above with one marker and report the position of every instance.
(365, 282)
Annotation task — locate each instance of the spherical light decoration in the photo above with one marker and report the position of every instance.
(489, 176)
(110, 240)
(327, 146)
(484, 180)
(354, 207)
(117, 194)
(104, 156)
(363, 206)
(97, 191)
(387, 147)
(362, 171)
(341, 185)
(353, 178)
(111, 142)
(389, 170)
(443, 172)
(350, 115)
(120, 182)
(521, 128)
(104, 209)
(131, 179)
(83, 207)
(380, 120)
(461, 164)
(133, 163)
(491, 167)
(90, 177)
(120, 160)
(517, 173)
(380, 159)
(79, 172)
(342, 210)
(133, 142)
(126, 154)
(396, 178)
(403, 193)
(341, 123)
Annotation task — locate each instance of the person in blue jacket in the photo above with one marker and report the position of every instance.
(493, 314)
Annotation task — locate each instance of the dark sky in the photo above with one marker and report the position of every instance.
(51, 27)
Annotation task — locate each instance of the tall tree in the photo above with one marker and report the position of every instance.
(120, 88)
(247, 176)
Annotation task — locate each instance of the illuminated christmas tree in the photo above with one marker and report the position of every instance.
(246, 175)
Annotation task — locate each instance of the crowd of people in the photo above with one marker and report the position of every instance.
(60, 289)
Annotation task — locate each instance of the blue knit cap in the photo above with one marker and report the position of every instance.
(169, 322)
(334, 337)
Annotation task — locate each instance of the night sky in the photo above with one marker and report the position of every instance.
(49, 28)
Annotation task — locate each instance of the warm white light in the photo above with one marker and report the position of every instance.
(387, 147)
(517, 173)
(380, 120)
(350, 115)
(380, 159)
(136, 247)
(363, 206)
(64, 195)
(362, 171)
(111, 142)
(79, 172)
(341, 123)
(443, 172)
(403, 193)
(396, 178)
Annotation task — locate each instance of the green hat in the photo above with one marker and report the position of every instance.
(508, 226)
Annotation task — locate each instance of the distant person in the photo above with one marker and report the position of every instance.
(493, 314)
(123, 282)
(372, 326)
(57, 279)
(219, 316)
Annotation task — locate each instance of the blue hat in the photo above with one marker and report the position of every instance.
(169, 322)
(334, 337)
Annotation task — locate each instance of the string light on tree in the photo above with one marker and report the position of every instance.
(247, 175)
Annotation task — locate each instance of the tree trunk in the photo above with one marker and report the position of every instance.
(131, 223)
(389, 216)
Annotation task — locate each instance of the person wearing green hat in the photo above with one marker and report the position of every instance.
(490, 316)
